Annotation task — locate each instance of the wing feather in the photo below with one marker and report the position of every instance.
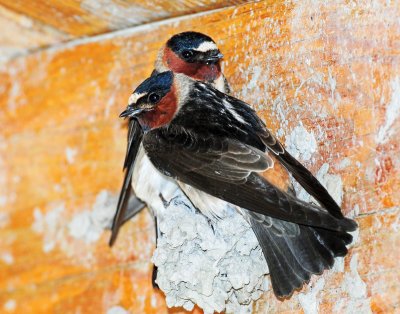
(256, 130)
(228, 169)
(301, 174)
(126, 196)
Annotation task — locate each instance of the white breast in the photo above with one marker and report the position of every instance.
(210, 206)
(219, 84)
(148, 183)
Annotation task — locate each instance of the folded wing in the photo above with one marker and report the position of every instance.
(240, 120)
(128, 204)
(301, 174)
(228, 169)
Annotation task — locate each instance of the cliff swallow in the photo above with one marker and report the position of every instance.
(194, 54)
(215, 148)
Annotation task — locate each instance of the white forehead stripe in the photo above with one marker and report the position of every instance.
(206, 46)
(134, 98)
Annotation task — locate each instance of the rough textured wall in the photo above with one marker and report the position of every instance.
(325, 72)
(30, 25)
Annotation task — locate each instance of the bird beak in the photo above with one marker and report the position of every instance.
(214, 56)
(130, 112)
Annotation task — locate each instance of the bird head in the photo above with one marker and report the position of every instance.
(193, 54)
(154, 102)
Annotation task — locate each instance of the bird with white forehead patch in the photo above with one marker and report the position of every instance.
(197, 55)
(194, 54)
(217, 150)
(154, 188)
(191, 53)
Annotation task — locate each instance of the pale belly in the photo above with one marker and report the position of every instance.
(210, 206)
(148, 183)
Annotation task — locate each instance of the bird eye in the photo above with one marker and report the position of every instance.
(187, 54)
(154, 98)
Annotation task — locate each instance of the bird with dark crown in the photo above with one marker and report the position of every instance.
(191, 53)
(217, 150)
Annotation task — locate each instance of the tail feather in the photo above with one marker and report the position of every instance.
(336, 241)
(285, 273)
(293, 258)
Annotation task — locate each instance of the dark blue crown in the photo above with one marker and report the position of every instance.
(159, 82)
(187, 40)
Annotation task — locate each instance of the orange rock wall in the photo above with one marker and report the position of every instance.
(330, 67)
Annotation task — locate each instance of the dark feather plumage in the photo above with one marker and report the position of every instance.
(294, 252)
(217, 144)
(128, 204)
(206, 163)
(255, 133)
(301, 174)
